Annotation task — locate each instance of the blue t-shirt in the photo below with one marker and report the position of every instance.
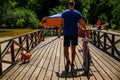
(71, 18)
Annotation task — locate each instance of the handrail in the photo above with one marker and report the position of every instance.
(19, 36)
(105, 31)
(109, 42)
(13, 46)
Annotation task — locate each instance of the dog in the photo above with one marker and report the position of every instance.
(25, 56)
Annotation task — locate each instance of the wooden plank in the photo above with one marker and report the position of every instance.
(36, 53)
(72, 74)
(80, 57)
(100, 70)
(31, 63)
(109, 59)
(79, 62)
(37, 61)
(10, 73)
(91, 75)
(13, 73)
(98, 66)
(95, 71)
(111, 71)
(35, 73)
(46, 61)
(22, 72)
(51, 63)
(61, 74)
(16, 68)
(56, 64)
(42, 74)
(28, 73)
(17, 72)
(41, 61)
(69, 75)
(104, 67)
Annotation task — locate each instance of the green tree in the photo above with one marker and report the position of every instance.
(106, 10)
(5, 7)
(57, 9)
(22, 18)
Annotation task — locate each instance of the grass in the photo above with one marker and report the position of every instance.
(14, 32)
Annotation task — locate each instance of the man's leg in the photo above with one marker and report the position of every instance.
(73, 54)
(66, 53)
(73, 49)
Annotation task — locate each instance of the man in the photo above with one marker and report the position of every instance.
(99, 24)
(69, 21)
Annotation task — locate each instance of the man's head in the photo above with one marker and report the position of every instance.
(71, 4)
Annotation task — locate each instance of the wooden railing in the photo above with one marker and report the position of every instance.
(107, 41)
(50, 31)
(10, 49)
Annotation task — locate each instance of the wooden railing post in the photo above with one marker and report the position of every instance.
(35, 38)
(42, 35)
(32, 39)
(113, 40)
(94, 38)
(27, 43)
(105, 42)
(12, 53)
(98, 39)
(0, 61)
(91, 34)
(14, 47)
(20, 41)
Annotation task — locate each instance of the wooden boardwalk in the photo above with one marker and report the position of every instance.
(47, 63)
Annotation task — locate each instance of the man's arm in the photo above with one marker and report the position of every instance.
(61, 27)
(83, 25)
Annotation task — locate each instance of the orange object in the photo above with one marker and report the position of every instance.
(25, 56)
(49, 22)
(81, 32)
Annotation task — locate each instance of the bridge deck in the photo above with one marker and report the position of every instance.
(47, 63)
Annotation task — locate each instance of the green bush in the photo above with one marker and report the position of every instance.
(103, 26)
(57, 9)
(3, 26)
(22, 18)
(114, 26)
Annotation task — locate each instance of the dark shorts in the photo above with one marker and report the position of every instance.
(70, 40)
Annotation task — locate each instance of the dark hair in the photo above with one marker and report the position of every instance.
(72, 3)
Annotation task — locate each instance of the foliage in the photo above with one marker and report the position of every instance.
(21, 18)
(92, 10)
(57, 9)
(114, 26)
(116, 15)
(102, 17)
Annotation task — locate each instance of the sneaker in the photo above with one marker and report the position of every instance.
(67, 66)
(84, 65)
(72, 65)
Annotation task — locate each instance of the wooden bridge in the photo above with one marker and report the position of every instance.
(47, 61)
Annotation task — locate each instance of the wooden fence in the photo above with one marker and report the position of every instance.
(10, 49)
(50, 31)
(107, 41)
